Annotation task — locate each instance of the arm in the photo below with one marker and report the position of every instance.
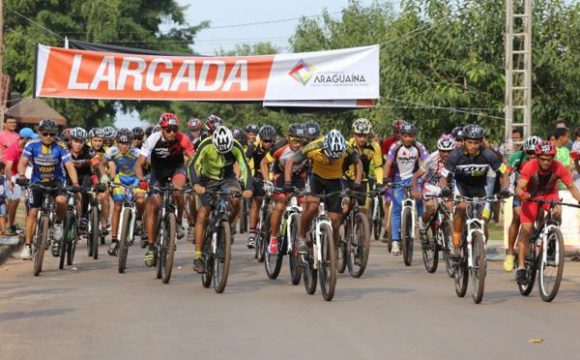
(387, 169)
(415, 180)
(113, 169)
(358, 172)
(72, 172)
(22, 165)
(521, 189)
(139, 166)
(264, 164)
(574, 191)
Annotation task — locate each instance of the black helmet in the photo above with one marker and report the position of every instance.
(408, 129)
(252, 128)
(239, 135)
(296, 130)
(457, 133)
(473, 131)
(138, 133)
(48, 125)
(124, 135)
(267, 132)
(149, 130)
(311, 129)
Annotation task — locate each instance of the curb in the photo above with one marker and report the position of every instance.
(7, 250)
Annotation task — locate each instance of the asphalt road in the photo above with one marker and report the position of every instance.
(89, 311)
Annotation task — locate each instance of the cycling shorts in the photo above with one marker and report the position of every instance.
(125, 180)
(530, 209)
(319, 186)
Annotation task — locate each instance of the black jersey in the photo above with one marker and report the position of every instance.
(471, 170)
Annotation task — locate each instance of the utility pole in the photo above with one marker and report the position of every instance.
(518, 69)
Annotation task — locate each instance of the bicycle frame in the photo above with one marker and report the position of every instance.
(473, 224)
(128, 205)
(292, 208)
(322, 218)
(409, 202)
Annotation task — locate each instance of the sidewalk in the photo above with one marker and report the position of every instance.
(8, 246)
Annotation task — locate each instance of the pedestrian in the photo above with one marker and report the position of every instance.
(8, 136)
(3, 212)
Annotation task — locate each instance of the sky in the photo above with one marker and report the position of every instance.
(224, 13)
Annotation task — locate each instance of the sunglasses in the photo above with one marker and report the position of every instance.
(48, 134)
(545, 159)
(171, 129)
(267, 141)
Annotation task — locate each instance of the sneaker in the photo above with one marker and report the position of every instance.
(521, 277)
(55, 248)
(8, 232)
(301, 247)
(273, 247)
(396, 250)
(251, 242)
(508, 263)
(113, 248)
(151, 256)
(198, 265)
(180, 231)
(26, 253)
(84, 224)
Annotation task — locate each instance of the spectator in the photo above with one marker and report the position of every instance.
(563, 155)
(517, 140)
(8, 136)
(575, 155)
(3, 193)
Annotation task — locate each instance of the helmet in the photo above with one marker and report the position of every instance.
(138, 133)
(296, 130)
(78, 133)
(96, 132)
(311, 129)
(446, 143)
(362, 126)
(149, 130)
(124, 136)
(473, 131)
(222, 139)
(457, 133)
(194, 124)
(253, 128)
(238, 134)
(398, 123)
(213, 122)
(545, 147)
(530, 144)
(65, 134)
(109, 132)
(168, 119)
(267, 132)
(408, 129)
(334, 144)
(48, 125)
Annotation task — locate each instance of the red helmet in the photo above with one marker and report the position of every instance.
(398, 123)
(194, 124)
(545, 147)
(168, 119)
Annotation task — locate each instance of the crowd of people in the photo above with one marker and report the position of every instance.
(212, 155)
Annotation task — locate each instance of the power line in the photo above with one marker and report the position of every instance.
(33, 22)
(452, 109)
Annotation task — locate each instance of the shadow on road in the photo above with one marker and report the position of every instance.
(18, 315)
(352, 294)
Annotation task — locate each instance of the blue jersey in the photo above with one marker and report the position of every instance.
(47, 161)
(124, 163)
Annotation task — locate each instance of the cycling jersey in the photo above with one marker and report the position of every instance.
(166, 156)
(209, 164)
(544, 182)
(405, 159)
(280, 154)
(372, 161)
(433, 168)
(82, 162)
(47, 160)
(124, 163)
(196, 140)
(101, 152)
(255, 154)
(323, 166)
(470, 171)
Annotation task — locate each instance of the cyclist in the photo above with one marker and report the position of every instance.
(370, 156)
(65, 136)
(255, 154)
(515, 164)
(149, 130)
(195, 134)
(48, 160)
(252, 133)
(121, 161)
(168, 150)
(109, 136)
(211, 124)
(468, 166)
(312, 131)
(405, 156)
(138, 135)
(430, 173)
(457, 134)
(539, 181)
(277, 158)
(96, 142)
(212, 169)
(329, 157)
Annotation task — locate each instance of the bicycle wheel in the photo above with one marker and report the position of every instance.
(65, 241)
(310, 274)
(479, 268)
(344, 236)
(377, 222)
(552, 265)
(531, 269)
(207, 275)
(407, 236)
(261, 240)
(72, 245)
(461, 275)
(445, 227)
(430, 250)
(124, 241)
(294, 256)
(358, 246)
(223, 254)
(327, 265)
(94, 233)
(167, 250)
(272, 263)
(40, 241)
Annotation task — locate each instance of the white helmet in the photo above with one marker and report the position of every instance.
(531, 142)
(223, 139)
(334, 144)
(446, 143)
(362, 126)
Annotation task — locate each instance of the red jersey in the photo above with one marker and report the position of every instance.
(544, 182)
(385, 146)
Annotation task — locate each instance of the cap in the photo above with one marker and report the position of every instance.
(27, 133)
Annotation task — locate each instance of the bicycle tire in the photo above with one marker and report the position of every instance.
(407, 236)
(64, 242)
(430, 251)
(95, 233)
(260, 247)
(479, 269)
(327, 266)
(223, 256)
(447, 241)
(358, 246)
(556, 241)
(72, 245)
(272, 263)
(309, 273)
(377, 223)
(341, 252)
(124, 241)
(167, 251)
(207, 275)
(39, 245)
(294, 256)
(531, 269)
(461, 275)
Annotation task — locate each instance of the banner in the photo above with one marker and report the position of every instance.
(346, 74)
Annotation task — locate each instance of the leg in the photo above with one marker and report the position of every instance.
(152, 206)
(523, 239)
(200, 226)
(115, 219)
(308, 215)
(30, 225)
(61, 205)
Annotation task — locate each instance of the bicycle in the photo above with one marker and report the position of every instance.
(354, 244)
(263, 227)
(321, 256)
(68, 243)
(286, 246)
(408, 222)
(438, 237)
(545, 251)
(377, 214)
(44, 222)
(473, 262)
(93, 232)
(127, 219)
(217, 249)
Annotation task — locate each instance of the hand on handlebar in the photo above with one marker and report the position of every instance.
(246, 194)
(446, 192)
(199, 190)
(22, 181)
